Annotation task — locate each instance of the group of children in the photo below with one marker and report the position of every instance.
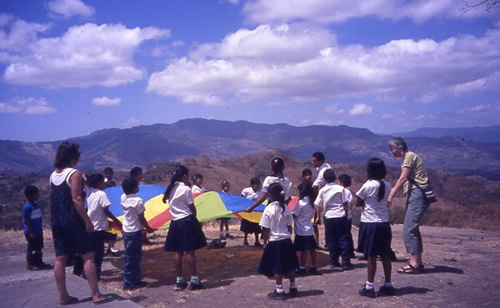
(319, 199)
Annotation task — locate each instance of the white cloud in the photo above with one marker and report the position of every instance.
(307, 122)
(360, 109)
(335, 109)
(131, 122)
(467, 87)
(336, 11)
(86, 55)
(30, 106)
(399, 116)
(106, 101)
(69, 8)
(427, 98)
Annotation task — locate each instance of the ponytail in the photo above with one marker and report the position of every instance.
(277, 166)
(277, 193)
(381, 191)
(376, 171)
(177, 175)
(306, 190)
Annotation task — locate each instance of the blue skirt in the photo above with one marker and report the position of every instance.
(185, 235)
(279, 257)
(374, 239)
(304, 242)
(250, 227)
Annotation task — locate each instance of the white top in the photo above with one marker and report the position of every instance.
(350, 205)
(250, 194)
(97, 201)
(197, 189)
(58, 178)
(331, 198)
(320, 181)
(132, 206)
(374, 210)
(277, 222)
(285, 182)
(305, 212)
(180, 199)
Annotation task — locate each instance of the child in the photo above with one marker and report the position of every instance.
(346, 181)
(304, 239)
(279, 256)
(136, 174)
(33, 231)
(133, 223)
(108, 177)
(185, 234)
(251, 193)
(198, 184)
(374, 231)
(224, 221)
(98, 211)
(110, 237)
(307, 175)
(332, 200)
(277, 176)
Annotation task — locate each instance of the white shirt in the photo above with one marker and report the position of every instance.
(197, 189)
(374, 210)
(331, 198)
(320, 181)
(58, 178)
(349, 202)
(285, 182)
(250, 194)
(97, 201)
(132, 206)
(277, 222)
(305, 212)
(180, 199)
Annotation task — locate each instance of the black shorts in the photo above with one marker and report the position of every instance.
(35, 243)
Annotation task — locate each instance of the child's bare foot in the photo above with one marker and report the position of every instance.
(68, 301)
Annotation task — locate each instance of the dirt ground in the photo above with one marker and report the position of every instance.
(461, 271)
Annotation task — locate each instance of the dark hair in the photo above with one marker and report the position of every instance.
(197, 176)
(255, 180)
(277, 193)
(94, 179)
(399, 143)
(108, 170)
(129, 185)
(319, 156)
(277, 166)
(66, 153)
(375, 168)
(306, 190)
(345, 179)
(306, 171)
(224, 183)
(134, 172)
(30, 190)
(177, 175)
(329, 175)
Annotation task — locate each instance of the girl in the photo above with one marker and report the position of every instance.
(185, 234)
(277, 176)
(304, 232)
(225, 186)
(279, 256)
(198, 184)
(374, 230)
(251, 193)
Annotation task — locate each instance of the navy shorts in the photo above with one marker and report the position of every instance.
(304, 242)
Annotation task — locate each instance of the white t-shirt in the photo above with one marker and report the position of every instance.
(277, 222)
(132, 206)
(374, 210)
(320, 181)
(180, 199)
(285, 182)
(197, 189)
(305, 212)
(331, 199)
(59, 178)
(250, 194)
(97, 201)
(349, 201)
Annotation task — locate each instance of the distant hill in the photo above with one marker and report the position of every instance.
(143, 145)
(476, 134)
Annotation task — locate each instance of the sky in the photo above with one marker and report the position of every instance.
(71, 67)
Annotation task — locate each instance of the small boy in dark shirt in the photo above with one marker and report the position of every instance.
(33, 231)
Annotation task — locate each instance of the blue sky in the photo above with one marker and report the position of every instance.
(71, 67)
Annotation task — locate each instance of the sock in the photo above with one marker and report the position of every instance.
(195, 279)
(292, 285)
(279, 288)
(388, 284)
(369, 285)
(180, 279)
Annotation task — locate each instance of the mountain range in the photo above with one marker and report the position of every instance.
(468, 151)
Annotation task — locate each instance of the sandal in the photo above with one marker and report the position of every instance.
(409, 269)
(71, 301)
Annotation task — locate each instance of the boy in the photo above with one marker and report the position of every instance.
(33, 231)
(133, 223)
(332, 200)
(136, 174)
(108, 177)
(346, 182)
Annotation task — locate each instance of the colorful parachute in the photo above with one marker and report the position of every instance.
(209, 205)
